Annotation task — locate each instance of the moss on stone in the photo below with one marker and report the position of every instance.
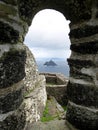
(8, 10)
(12, 2)
(11, 101)
(12, 65)
(8, 34)
(46, 115)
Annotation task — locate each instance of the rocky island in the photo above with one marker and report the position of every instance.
(50, 63)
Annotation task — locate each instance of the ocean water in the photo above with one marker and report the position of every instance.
(62, 66)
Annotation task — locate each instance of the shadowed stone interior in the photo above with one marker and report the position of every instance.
(15, 18)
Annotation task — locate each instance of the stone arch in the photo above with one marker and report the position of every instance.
(16, 17)
(57, 33)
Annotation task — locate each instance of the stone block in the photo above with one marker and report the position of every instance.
(77, 74)
(11, 101)
(85, 48)
(84, 31)
(8, 34)
(78, 63)
(59, 92)
(12, 67)
(85, 95)
(12, 2)
(81, 117)
(14, 121)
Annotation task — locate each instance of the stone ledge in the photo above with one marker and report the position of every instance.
(55, 78)
(12, 67)
(82, 117)
(11, 101)
(15, 120)
(56, 85)
(81, 94)
(84, 31)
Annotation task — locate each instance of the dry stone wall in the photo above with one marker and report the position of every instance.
(83, 86)
(22, 90)
(15, 18)
(56, 86)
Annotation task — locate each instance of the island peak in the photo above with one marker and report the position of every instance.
(50, 63)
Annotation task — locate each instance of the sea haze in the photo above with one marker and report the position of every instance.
(62, 66)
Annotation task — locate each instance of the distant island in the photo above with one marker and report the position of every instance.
(50, 63)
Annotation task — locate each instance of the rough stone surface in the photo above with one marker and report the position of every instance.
(34, 90)
(31, 92)
(12, 67)
(31, 71)
(35, 101)
(52, 125)
(11, 36)
(15, 17)
(56, 85)
(85, 48)
(84, 31)
(55, 78)
(11, 101)
(82, 117)
(14, 121)
(83, 94)
(59, 92)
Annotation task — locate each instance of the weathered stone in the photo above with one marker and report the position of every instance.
(11, 101)
(82, 117)
(34, 90)
(12, 67)
(81, 9)
(80, 63)
(59, 92)
(77, 74)
(12, 2)
(5, 9)
(16, 121)
(84, 31)
(26, 9)
(85, 48)
(74, 10)
(8, 34)
(84, 26)
(35, 101)
(31, 71)
(83, 94)
(52, 79)
(55, 78)
(56, 85)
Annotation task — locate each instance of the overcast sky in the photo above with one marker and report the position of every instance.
(48, 35)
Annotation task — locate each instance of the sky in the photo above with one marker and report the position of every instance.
(48, 35)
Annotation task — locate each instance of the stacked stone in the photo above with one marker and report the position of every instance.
(20, 85)
(15, 16)
(83, 86)
(12, 67)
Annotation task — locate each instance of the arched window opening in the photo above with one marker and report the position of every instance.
(49, 41)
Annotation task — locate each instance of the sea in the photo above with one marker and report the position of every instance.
(61, 67)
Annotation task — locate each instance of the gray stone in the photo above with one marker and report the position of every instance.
(12, 67)
(82, 117)
(11, 101)
(52, 125)
(15, 17)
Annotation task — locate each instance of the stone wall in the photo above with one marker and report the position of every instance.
(15, 18)
(22, 90)
(83, 86)
(35, 95)
(55, 78)
(56, 86)
(23, 102)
